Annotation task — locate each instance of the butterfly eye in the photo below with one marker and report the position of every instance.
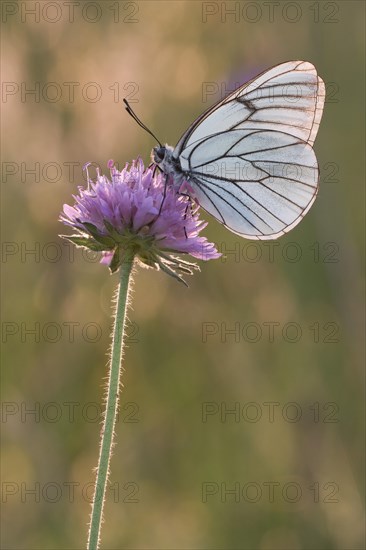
(159, 154)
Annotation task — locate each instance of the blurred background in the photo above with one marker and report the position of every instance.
(242, 420)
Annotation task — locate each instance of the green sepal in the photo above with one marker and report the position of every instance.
(107, 241)
(91, 228)
(111, 229)
(164, 267)
(116, 260)
(86, 242)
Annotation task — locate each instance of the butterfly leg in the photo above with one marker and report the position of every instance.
(164, 195)
(189, 205)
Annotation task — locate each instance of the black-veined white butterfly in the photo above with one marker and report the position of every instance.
(249, 160)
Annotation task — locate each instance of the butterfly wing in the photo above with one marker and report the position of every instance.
(249, 158)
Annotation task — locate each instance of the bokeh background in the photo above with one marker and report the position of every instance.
(292, 453)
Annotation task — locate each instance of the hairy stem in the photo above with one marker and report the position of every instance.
(112, 403)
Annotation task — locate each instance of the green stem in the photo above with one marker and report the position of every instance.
(112, 404)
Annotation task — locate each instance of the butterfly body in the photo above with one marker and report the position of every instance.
(248, 160)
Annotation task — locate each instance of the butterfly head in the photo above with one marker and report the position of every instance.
(162, 155)
(158, 154)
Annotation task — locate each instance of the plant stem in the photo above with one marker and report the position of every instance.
(112, 403)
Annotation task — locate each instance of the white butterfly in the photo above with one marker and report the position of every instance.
(249, 160)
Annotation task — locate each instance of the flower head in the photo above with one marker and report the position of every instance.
(136, 212)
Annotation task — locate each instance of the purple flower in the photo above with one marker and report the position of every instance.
(136, 211)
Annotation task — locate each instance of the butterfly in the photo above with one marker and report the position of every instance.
(249, 159)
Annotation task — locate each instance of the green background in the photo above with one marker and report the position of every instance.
(308, 445)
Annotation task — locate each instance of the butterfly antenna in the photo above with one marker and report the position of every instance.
(136, 118)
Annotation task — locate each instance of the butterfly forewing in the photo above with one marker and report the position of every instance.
(249, 159)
